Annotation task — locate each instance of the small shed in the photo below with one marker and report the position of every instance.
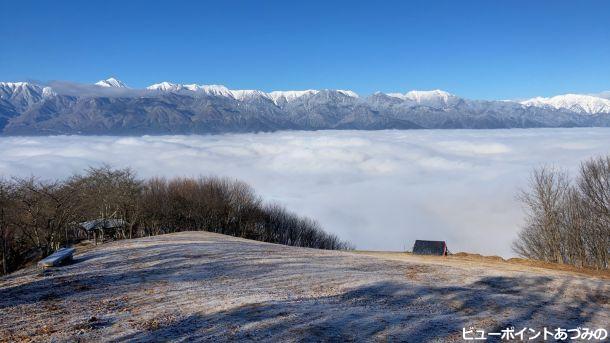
(100, 227)
(438, 248)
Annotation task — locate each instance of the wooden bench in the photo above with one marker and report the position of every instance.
(55, 259)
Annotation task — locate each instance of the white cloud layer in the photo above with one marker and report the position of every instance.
(378, 189)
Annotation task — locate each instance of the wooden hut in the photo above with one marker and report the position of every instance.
(438, 248)
(100, 228)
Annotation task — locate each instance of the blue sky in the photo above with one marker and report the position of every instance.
(476, 49)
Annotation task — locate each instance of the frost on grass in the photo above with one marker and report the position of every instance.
(202, 285)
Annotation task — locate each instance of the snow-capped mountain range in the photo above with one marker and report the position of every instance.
(578, 103)
(110, 107)
(241, 94)
(435, 98)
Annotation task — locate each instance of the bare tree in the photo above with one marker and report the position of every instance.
(594, 184)
(541, 237)
(6, 234)
(568, 222)
(46, 211)
(106, 193)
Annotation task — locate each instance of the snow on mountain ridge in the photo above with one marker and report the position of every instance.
(165, 86)
(242, 94)
(348, 93)
(218, 90)
(22, 95)
(48, 92)
(17, 85)
(214, 90)
(290, 95)
(579, 103)
(11, 89)
(425, 95)
(435, 98)
(237, 94)
(111, 82)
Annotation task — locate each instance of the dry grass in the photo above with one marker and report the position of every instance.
(466, 259)
(604, 274)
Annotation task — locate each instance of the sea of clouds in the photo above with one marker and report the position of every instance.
(379, 189)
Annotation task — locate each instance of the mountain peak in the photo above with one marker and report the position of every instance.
(242, 94)
(289, 96)
(431, 93)
(217, 90)
(111, 82)
(165, 86)
(349, 93)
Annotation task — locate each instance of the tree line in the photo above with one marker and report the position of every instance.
(37, 217)
(568, 219)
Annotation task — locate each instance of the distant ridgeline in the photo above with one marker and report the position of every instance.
(110, 107)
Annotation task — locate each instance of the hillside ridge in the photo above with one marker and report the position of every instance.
(201, 285)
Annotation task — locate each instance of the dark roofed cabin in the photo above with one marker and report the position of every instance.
(438, 248)
(100, 227)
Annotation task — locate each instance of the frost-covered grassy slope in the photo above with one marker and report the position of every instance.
(197, 285)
